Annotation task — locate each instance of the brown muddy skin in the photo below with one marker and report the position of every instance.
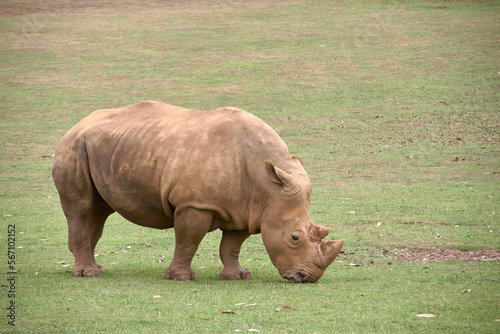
(163, 166)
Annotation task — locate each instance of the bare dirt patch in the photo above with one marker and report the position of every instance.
(96, 7)
(444, 254)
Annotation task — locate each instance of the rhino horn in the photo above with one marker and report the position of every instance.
(319, 232)
(329, 251)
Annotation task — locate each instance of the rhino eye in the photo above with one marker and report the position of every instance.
(296, 237)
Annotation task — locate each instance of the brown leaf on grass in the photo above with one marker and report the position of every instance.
(353, 265)
(285, 307)
(227, 312)
(466, 290)
(426, 315)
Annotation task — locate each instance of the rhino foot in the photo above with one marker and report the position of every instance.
(235, 274)
(179, 274)
(87, 271)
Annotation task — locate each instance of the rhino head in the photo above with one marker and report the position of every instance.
(294, 244)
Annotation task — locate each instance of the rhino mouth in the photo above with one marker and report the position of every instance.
(303, 275)
(297, 278)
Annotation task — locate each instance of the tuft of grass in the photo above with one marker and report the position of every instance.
(392, 106)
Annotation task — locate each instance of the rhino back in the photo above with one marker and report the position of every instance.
(149, 158)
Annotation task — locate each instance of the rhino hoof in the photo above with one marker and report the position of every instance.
(178, 275)
(92, 271)
(235, 275)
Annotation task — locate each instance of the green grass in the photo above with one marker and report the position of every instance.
(393, 107)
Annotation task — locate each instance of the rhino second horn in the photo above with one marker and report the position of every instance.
(329, 251)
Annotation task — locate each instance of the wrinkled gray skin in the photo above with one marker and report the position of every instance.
(163, 166)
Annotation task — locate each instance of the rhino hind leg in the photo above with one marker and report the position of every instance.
(85, 210)
(84, 233)
(190, 227)
(229, 253)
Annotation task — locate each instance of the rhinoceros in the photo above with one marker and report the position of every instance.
(164, 166)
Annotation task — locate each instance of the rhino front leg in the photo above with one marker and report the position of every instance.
(229, 253)
(190, 227)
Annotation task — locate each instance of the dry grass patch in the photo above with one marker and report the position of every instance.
(444, 254)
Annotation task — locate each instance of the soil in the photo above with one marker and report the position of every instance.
(171, 7)
(444, 254)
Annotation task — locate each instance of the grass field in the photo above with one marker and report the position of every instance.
(393, 107)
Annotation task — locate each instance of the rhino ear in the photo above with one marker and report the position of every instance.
(319, 232)
(279, 176)
(298, 161)
(271, 172)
